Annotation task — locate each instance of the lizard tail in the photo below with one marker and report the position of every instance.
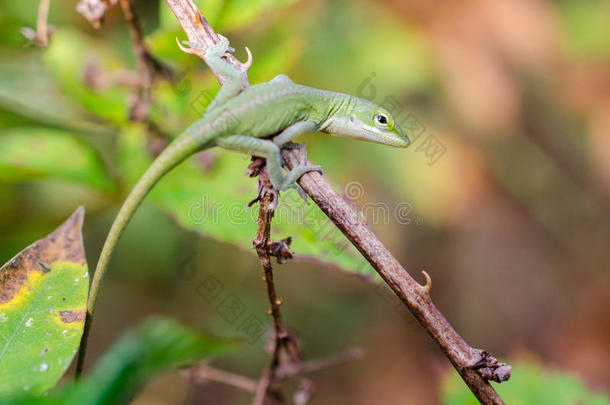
(196, 138)
(190, 142)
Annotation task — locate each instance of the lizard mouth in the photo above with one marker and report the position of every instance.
(390, 137)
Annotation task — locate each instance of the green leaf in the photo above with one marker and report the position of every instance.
(31, 153)
(529, 384)
(213, 202)
(43, 295)
(156, 346)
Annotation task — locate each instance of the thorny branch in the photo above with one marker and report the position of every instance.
(475, 366)
(282, 341)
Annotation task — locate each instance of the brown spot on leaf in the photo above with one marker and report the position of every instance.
(72, 316)
(65, 243)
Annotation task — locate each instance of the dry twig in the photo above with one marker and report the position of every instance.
(148, 66)
(43, 32)
(204, 372)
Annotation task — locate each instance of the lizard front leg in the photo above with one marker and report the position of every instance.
(271, 152)
(232, 85)
(293, 131)
(213, 56)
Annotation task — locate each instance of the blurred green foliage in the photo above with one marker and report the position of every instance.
(38, 153)
(155, 346)
(586, 32)
(225, 15)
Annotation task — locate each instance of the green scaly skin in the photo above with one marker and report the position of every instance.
(241, 121)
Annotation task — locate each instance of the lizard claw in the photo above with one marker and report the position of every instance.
(301, 192)
(292, 176)
(219, 49)
(295, 174)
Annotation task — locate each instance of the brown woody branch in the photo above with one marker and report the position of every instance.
(282, 341)
(475, 366)
(261, 243)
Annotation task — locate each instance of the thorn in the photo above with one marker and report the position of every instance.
(268, 312)
(279, 301)
(428, 285)
(190, 50)
(182, 48)
(249, 61)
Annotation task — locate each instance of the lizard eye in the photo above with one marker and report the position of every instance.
(382, 119)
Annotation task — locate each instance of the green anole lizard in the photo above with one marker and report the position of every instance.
(242, 120)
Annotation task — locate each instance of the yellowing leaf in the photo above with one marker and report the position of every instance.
(43, 296)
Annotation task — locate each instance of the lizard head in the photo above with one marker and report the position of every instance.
(366, 121)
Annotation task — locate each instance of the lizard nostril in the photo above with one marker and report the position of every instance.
(352, 118)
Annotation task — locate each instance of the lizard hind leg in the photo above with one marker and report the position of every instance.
(271, 152)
